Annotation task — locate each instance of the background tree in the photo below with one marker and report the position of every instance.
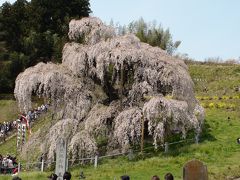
(3, 51)
(151, 34)
(34, 31)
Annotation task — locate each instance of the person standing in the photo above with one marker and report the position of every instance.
(169, 176)
(67, 176)
(125, 177)
(155, 178)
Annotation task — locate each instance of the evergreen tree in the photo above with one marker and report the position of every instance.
(54, 15)
(34, 31)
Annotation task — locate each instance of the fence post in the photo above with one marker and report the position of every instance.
(96, 161)
(197, 138)
(166, 146)
(42, 166)
(67, 164)
(19, 167)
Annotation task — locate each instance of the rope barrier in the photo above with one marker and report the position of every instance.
(105, 156)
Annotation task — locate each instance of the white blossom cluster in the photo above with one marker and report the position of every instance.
(63, 128)
(127, 129)
(91, 30)
(104, 88)
(169, 115)
(82, 145)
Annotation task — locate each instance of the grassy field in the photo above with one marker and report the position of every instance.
(8, 110)
(218, 79)
(218, 148)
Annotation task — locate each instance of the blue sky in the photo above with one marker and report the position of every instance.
(207, 28)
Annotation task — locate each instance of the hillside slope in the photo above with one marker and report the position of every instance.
(217, 148)
(215, 79)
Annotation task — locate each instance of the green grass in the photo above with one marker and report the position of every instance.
(8, 110)
(9, 147)
(220, 78)
(218, 148)
(27, 176)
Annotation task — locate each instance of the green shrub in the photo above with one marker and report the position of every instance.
(211, 105)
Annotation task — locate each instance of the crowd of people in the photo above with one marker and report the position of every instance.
(168, 176)
(7, 127)
(8, 165)
(67, 176)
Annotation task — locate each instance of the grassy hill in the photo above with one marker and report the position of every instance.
(8, 110)
(215, 87)
(217, 78)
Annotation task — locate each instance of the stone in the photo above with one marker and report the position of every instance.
(61, 161)
(195, 170)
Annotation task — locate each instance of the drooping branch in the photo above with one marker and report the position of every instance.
(134, 79)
